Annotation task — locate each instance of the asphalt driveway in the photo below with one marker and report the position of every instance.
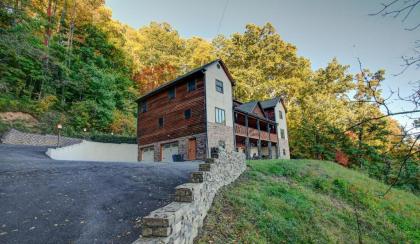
(48, 201)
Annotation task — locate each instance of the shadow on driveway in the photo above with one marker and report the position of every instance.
(48, 201)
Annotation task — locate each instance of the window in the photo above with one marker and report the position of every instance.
(191, 85)
(280, 115)
(220, 116)
(222, 144)
(282, 133)
(171, 93)
(284, 152)
(161, 122)
(143, 107)
(219, 86)
(187, 114)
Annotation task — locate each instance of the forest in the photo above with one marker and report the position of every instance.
(69, 62)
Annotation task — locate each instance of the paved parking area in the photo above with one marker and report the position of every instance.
(48, 201)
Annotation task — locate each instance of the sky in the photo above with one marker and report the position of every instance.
(321, 30)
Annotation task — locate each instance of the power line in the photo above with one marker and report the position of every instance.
(222, 17)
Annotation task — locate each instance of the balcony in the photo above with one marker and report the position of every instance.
(241, 130)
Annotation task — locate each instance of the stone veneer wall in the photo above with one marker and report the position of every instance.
(218, 132)
(182, 146)
(180, 221)
(20, 138)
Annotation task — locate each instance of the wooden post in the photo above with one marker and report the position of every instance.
(278, 145)
(234, 131)
(270, 154)
(259, 138)
(247, 138)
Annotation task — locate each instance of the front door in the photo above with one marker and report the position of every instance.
(192, 145)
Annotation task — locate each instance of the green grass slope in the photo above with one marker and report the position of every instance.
(306, 201)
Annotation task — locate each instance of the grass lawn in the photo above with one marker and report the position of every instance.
(307, 201)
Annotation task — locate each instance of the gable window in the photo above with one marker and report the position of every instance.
(219, 86)
(280, 114)
(282, 135)
(191, 86)
(143, 107)
(187, 114)
(160, 122)
(220, 116)
(171, 93)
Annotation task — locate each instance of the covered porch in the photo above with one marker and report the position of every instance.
(255, 136)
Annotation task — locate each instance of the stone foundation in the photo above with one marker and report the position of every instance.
(219, 132)
(180, 221)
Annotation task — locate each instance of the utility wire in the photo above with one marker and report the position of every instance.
(222, 17)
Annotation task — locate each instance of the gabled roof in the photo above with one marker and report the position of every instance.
(201, 69)
(247, 107)
(270, 103)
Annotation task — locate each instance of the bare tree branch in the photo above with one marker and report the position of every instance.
(404, 9)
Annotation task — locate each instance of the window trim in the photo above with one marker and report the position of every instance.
(143, 107)
(163, 122)
(188, 85)
(190, 114)
(216, 109)
(218, 82)
(169, 93)
(282, 134)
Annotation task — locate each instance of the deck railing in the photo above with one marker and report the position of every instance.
(240, 130)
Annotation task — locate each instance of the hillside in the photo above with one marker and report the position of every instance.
(301, 201)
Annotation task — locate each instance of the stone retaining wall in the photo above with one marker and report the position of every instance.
(180, 221)
(20, 138)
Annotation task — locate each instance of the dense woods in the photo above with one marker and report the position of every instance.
(69, 62)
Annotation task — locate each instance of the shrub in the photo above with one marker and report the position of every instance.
(113, 138)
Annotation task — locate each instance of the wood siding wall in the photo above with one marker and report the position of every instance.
(172, 111)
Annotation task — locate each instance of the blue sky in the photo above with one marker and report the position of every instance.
(321, 29)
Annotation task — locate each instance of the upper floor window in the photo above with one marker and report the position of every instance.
(280, 114)
(143, 106)
(171, 93)
(191, 86)
(282, 134)
(187, 114)
(220, 116)
(160, 122)
(219, 86)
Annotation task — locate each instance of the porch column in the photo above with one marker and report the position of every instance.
(278, 145)
(247, 138)
(259, 138)
(234, 131)
(270, 154)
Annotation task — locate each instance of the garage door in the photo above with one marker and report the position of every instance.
(148, 154)
(168, 150)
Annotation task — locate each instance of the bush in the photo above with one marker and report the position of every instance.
(113, 139)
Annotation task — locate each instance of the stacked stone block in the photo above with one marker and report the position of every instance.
(180, 221)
